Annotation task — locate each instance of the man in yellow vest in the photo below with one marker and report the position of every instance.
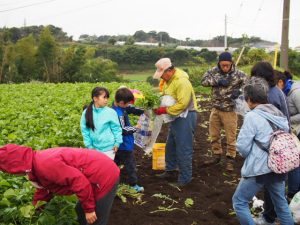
(179, 146)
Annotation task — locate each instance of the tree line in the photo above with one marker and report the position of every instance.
(44, 57)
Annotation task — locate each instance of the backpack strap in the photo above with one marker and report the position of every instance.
(272, 125)
(259, 144)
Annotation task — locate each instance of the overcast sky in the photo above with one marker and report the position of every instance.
(196, 19)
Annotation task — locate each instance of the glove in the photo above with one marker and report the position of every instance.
(235, 94)
(223, 82)
(160, 110)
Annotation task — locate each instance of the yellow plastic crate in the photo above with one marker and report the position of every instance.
(158, 156)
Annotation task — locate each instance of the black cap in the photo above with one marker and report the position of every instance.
(225, 56)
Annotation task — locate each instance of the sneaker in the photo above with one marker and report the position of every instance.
(260, 220)
(138, 188)
(214, 160)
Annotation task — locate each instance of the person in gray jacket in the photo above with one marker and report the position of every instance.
(277, 98)
(292, 91)
(255, 172)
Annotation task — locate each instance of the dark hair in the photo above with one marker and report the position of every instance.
(171, 67)
(264, 70)
(97, 91)
(284, 76)
(256, 90)
(124, 94)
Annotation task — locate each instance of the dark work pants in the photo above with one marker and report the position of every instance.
(269, 212)
(294, 180)
(127, 159)
(103, 207)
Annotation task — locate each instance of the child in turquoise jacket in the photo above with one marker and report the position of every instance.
(100, 124)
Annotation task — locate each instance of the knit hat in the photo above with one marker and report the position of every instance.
(161, 65)
(225, 56)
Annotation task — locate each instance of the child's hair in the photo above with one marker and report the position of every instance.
(97, 91)
(264, 70)
(284, 76)
(256, 90)
(124, 94)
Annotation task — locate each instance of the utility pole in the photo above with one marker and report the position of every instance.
(284, 60)
(225, 36)
(160, 39)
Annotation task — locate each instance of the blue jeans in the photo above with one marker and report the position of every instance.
(179, 146)
(248, 187)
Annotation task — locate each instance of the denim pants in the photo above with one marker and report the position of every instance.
(103, 207)
(179, 146)
(128, 160)
(248, 187)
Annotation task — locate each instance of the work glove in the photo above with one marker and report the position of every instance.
(160, 111)
(223, 82)
(235, 94)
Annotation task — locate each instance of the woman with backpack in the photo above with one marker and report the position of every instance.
(291, 89)
(277, 98)
(255, 172)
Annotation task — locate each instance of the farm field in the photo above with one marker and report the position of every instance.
(47, 115)
(137, 76)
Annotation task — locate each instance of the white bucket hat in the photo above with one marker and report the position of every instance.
(161, 65)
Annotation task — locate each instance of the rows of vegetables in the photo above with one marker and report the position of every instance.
(43, 116)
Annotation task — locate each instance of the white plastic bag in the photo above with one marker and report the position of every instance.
(295, 207)
(166, 101)
(159, 120)
(157, 124)
(142, 136)
(257, 203)
(241, 106)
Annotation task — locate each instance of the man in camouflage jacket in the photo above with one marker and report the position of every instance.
(226, 82)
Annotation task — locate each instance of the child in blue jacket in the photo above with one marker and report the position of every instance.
(125, 155)
(100, 125)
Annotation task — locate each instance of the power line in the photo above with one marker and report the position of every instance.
(26, 6)
(12, 3)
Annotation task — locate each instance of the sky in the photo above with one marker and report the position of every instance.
(195, 19)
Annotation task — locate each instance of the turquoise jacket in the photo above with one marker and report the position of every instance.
(107, 133)
(257, 127)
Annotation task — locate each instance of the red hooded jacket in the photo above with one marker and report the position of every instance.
(64, 171)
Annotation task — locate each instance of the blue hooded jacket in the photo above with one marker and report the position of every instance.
(257, 127)
(127, 129)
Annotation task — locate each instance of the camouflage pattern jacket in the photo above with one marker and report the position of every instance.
(221, 96)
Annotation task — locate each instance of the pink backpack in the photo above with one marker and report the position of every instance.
(284, 153)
